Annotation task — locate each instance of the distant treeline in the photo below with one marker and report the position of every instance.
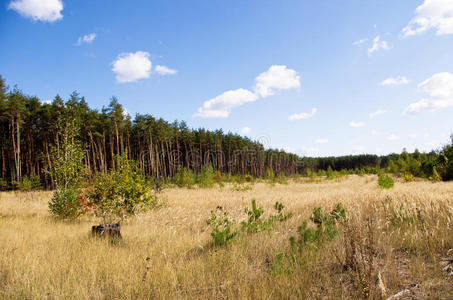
(30, 130)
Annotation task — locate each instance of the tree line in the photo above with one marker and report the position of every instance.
(30, 129)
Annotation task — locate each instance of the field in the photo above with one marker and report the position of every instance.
(394, 240)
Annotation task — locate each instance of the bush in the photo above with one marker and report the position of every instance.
(25, 185)
(385, 181)
(255, 223)
(223, 231)
(65, 205)
(120, 193)
(205, 179)
(184, 178)
(408, 177)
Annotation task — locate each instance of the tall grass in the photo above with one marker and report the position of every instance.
(392, 237)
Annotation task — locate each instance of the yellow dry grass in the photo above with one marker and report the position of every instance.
(44, 258)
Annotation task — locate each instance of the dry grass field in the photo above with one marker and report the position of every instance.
(394, 240)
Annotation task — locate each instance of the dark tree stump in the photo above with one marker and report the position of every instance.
(112, 231)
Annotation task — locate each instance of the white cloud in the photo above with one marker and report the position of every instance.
(413, 135)
(246, 130)
(378, 44)
(432, 14)
(267, 84)
(38, 10)
(47, 102)
(87, 39)
(377, 113)
(392, 137)
(321, 141)
(394, 81)
(304, 115)
(130, 67)
(125, 113)
(163, 70)
(359, 42)
(356, 124)
(274, 79)
(374, 132)
(221, 106)
(439, 90)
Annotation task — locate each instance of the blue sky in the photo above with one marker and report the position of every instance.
(320, 78)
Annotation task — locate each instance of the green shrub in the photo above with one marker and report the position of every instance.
(120, 193)
(25, 185)
(184, 178)
(255, 223)
(385, 181)
(205, 179)
(65, 204)
(327, 226)
(222, 229)
(408, 177)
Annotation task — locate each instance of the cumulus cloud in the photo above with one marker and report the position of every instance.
(221, 106)
(395, 81)
(356, 124)
(432, 14)
(439, 90)
(130, 67)
(378, 44)
(321, 141)
(392, 137)
(38, 10)
(267, 84)
(246, 130)
(87, 39)
(377, 113)
(163, 70)
(275, 79)
(304, 115)
(359, 42)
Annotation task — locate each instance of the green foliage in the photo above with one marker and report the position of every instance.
(120, 193)
(255, 222)
(67, 171)
(385, 181)
(185, 178)
(27, 184)
(408, 177)
(205, 179)
(435, 177)
(65, 203)
(222, 228)
(327, 226)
